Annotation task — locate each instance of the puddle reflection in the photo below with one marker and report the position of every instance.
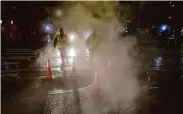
(158, 62)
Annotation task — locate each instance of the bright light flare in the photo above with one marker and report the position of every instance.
(58, 13)
(72, 52)
(11, 22)
(72, 36)
(1, 21)
(47, 27)
(164, 27)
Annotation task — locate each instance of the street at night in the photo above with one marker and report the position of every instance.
(133, 64)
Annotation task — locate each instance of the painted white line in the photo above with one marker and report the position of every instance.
(153, 87)
(16, 58)
(42, 77)
(85, 88)
(9, 71)
(18, 53)
(53, 69)
(61, 91)
(18, 49)
(28, 51)
(57, 68)
(9, 63)
(11, 75)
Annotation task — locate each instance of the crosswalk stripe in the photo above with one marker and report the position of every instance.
(18, 49)
(18, 54)
(9, 63)
(15, 58)
(9, 71)
(12, 75)
(62, 91)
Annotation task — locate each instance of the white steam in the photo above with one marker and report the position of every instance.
(122, 86)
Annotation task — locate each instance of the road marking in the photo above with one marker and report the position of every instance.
(16, 57)
(9, 71)
(153, 87)
(18, 54)
(61, 91)
(42, 77)
(11, 75)
(9, 63)
(20, 50)
(56, 68)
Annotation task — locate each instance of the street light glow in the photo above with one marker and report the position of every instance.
(58, 13)
(11, 22)
(72, 52)
(47, 27)
(72, 37)
(164, 27)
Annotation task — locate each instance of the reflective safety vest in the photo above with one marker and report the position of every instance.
(62, 42)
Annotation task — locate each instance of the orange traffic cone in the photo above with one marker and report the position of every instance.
(48, 71)
(95, 86)
(74, 66)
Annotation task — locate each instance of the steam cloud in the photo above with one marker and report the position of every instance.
(123, 86)
(81, 17)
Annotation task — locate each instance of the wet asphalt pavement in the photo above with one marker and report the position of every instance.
(29, 93)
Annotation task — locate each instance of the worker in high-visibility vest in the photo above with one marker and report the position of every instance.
(61, 41)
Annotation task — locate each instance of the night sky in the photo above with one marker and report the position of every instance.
(153, 12)
(159, 12)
